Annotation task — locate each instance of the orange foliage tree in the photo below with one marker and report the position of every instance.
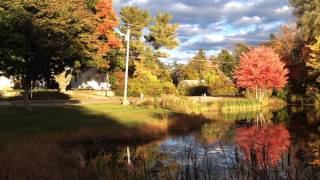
(105, 32)
(265, 144)
(261, 69)
(285, 42)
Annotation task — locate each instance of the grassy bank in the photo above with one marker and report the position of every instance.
(48, 142)
(208, 109)
(105, 122)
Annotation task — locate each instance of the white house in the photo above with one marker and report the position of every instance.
(6, 83)
(90, 79)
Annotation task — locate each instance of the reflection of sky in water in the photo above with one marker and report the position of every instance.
(178, 148)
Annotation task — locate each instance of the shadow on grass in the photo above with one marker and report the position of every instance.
(39, 95)
(75, 123)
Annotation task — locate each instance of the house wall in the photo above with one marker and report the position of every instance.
(90, 79)
(5, 83)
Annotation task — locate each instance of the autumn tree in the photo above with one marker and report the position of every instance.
(92, 4)
(78, 22)
(239, 50)
(40, 38)
(200, 67)
(137, 18)
(193, 70)
(162, 33)
(227, 63)
(261, 69)
(108, 39)
(197, 66)
(314, 61)
(308, 26)
(44, 39)
(308, 19)
(148, 37)
(284, 43)
(177, 74)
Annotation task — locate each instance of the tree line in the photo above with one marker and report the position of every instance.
(52, 39)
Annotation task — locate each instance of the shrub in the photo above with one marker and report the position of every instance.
(169, 88)
(117, 82)
(137, 86)
(296, 99)
(222, 89)
(143, 82)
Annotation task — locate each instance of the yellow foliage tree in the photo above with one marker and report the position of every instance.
(314, 60)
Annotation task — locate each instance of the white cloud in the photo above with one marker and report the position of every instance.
(253, 19)
(234, 5)
(218, 24)
(214, 38)
(180, 7)
(134, 2)
(283, 10)
(237, 5)
(190, 29)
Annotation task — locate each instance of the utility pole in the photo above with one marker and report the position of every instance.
(125, 94)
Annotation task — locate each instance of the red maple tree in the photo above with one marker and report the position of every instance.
(266, 143)
(107, 22)
(261, 69)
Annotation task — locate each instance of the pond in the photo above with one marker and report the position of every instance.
(265, 145)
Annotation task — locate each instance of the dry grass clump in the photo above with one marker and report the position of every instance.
(39, 160)
(141, 133)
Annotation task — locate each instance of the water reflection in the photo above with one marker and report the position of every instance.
(264, 145)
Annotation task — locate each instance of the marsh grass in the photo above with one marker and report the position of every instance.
(208, 110)
(240, 105)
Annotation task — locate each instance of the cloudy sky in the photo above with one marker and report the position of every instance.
(216, 24)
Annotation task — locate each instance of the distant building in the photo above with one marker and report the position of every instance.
(91, 79)
(6, 83)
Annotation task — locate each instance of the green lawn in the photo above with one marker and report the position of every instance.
(111, 119)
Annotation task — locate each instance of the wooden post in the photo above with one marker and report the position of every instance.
(128, 155)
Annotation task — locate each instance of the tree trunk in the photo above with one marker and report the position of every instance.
(63, 79)
(26, 93)
(259, 94)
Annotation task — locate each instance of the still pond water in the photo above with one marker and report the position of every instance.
(271, 145)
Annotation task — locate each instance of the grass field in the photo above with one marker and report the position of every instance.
(101, 120)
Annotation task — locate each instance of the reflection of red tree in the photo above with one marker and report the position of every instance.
(265, 143)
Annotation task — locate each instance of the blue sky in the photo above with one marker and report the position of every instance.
(216, 24)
